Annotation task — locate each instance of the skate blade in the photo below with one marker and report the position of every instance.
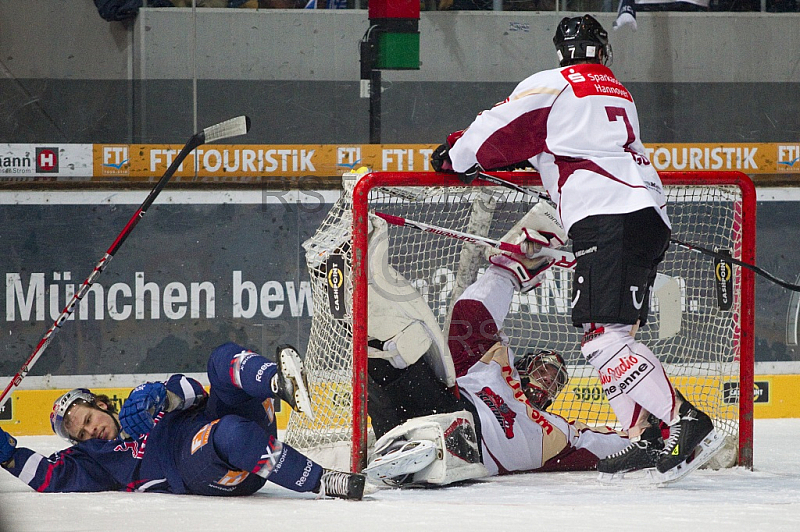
(292, 368)
(711, 445)
(640, 477)
(412, 457)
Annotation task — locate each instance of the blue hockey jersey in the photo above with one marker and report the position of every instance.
(143, 464)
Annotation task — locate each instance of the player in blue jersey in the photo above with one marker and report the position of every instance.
(173, 437)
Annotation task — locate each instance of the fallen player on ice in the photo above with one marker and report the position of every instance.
(173, 437)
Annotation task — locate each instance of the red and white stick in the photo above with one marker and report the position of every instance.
(229, 128)
(564, 259)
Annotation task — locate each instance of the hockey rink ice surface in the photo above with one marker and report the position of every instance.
(767, 499)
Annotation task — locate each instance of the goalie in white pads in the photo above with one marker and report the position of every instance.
(578, 126)
(496, 421)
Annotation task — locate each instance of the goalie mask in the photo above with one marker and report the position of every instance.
(543, 375)
(581, 38)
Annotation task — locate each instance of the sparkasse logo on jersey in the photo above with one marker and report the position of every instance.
(46, 160)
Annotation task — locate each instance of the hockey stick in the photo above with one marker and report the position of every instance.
(665, 288)
(727, 258)
(509, 185)
(686, 245)
(564, 259)
(229, 128)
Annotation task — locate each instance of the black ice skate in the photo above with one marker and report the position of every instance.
(643, 453)
(341, 485)
(689, 432)
(290, 384)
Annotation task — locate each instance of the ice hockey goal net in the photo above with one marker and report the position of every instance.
(701, 324)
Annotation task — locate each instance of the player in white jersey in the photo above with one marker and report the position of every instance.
(577, 125)
(497, 418)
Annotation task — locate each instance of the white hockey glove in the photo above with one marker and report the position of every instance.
(539, 228)
(526, 272)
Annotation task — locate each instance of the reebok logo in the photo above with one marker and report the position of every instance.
(676, 451)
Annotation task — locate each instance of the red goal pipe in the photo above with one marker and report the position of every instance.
(747, 253)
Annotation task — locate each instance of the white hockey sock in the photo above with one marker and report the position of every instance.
(630, 375)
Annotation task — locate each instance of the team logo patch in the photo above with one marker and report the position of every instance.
(233, 478)
(594, 80)
(504, 415)
(201, 438)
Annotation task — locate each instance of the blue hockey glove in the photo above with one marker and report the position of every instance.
(144, 402)
(7, 446)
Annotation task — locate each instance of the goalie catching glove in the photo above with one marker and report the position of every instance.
(539, 228)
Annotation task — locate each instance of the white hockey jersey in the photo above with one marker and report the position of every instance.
(515, 436)
(578, 126)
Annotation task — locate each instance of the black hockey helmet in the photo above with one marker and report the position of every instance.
(581, 38)
(543, 374)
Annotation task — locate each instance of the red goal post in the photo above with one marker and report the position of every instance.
(710, 357)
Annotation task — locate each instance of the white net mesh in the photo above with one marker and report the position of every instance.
(701, 357)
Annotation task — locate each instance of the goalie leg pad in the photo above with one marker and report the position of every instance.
(456, 443)
(400, 459)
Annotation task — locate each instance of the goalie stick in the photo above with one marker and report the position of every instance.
(686, 245)
(564, 259)
(666, 288)
(229, 128)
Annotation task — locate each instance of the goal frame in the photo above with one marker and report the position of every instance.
(358, 453)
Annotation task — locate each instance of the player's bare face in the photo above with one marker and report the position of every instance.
(84, 422)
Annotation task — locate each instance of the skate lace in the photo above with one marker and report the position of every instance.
(334, 483)
(641, 444)
(674, 435)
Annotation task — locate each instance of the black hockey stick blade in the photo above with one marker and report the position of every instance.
(724, 257)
